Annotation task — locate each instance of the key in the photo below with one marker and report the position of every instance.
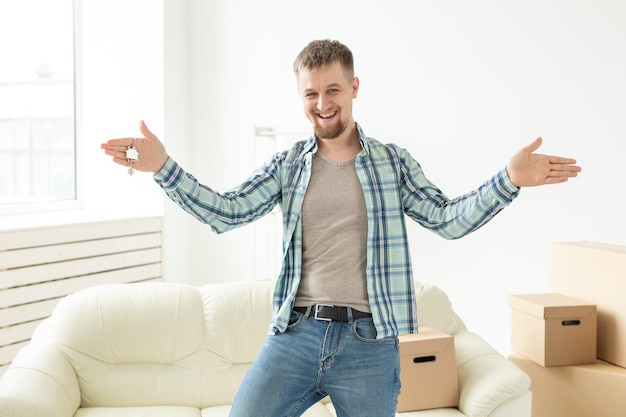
(131, 156)
(131, 153)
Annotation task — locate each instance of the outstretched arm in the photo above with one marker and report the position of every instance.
(527, 169)
(152, 154)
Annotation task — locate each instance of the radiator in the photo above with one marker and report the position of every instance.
(40, 266)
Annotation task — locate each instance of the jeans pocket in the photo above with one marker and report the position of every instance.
(364, 329)
(295, 319)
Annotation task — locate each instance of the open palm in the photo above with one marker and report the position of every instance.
(528, 169)
(152, 154)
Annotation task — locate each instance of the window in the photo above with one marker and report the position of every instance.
(37, 104)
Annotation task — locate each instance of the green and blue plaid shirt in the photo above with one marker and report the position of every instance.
(393, 184)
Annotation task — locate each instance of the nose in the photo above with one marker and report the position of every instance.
(322, 102)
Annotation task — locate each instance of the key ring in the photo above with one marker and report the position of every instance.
(131, 156)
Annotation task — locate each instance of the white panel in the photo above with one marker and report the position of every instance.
(28, 238)
(39, 266)
(46, 254)
(79, 267)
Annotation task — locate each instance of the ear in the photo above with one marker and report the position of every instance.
(355, 87)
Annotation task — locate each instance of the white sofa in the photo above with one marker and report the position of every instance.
(164, 349)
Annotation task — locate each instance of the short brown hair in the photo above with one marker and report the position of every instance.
(322, 52)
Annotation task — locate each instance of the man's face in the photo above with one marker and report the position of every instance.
(327, 93)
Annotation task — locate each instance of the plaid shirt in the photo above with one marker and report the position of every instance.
(393, 185)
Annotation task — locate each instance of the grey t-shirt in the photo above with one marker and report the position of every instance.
(334, 237)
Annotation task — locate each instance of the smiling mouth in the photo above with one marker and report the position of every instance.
(326, 115)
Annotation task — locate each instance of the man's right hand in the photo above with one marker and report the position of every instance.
(152, 153)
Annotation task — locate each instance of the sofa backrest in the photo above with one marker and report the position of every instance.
(133, 344)
(237, 318)
(173, 344)
(434, 309)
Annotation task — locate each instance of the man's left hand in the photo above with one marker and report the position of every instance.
(527, 169)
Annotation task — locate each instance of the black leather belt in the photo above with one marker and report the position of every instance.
(326, 312)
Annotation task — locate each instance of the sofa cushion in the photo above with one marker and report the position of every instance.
(150, 411)
(133, 344)
(237, 317)
(317, 410)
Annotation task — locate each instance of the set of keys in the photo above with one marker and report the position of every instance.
(131, 156)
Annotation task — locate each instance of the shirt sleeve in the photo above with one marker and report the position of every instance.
(239, 206)
(453, 218)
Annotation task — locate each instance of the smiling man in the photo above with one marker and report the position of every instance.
(327, 91)
(345, 291)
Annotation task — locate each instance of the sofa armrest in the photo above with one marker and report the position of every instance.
(487, 380)
(39, 382)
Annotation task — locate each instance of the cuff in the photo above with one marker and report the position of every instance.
(169, 175)
(505, 189)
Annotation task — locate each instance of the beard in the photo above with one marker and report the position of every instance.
(330, 131)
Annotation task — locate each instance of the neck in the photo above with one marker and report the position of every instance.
(343, 147)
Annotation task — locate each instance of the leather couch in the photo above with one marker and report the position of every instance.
(165, 349)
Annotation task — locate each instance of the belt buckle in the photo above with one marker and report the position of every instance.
(317, 309)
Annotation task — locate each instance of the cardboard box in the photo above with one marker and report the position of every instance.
(553, 329)
(575, 391)
(427, 371)
(597, 273)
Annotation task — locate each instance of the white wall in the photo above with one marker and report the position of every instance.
(120, 81)
(462, 85)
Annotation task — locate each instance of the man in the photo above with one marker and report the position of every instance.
(345, 291)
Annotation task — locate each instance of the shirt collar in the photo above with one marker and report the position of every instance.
(310, 145)
(365, 143)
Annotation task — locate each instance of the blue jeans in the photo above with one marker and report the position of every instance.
(314, 359)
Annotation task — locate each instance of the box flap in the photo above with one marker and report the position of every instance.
(551, 305)
(594, 246)
(428, 342)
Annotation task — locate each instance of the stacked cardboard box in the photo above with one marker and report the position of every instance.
(553, 329)
(427, 371)
(595, 273)
(591, 390)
